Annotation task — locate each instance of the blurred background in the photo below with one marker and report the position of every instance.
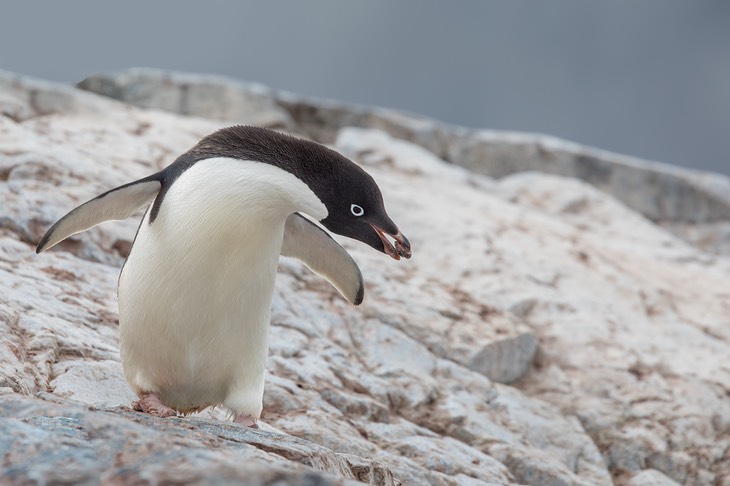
(649, 78)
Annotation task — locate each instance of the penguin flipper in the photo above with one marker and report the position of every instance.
(119, 203)
(316, 249)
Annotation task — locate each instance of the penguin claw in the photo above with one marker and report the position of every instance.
(246, 420)
(150, 403)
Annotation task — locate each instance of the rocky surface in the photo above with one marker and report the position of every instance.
(692, 202)
(544, 333)
(67, 442)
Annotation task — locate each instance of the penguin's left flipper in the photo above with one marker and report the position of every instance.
(316, 249)
(119, 203)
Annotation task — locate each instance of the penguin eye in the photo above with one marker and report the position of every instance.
(356, 210)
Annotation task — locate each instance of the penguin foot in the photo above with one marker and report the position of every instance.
(150, 403)
(246, 420)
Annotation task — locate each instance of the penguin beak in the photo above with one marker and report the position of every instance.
(402, 246)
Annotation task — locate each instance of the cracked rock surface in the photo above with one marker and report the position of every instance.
(544, 333)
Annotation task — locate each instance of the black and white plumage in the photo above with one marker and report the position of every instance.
(195, 292)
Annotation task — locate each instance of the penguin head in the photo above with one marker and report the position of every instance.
(356, 210)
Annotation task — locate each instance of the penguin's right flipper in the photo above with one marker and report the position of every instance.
(314, 247)
(119, 203)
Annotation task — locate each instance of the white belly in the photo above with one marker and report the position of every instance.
(195, 300)
(194, 322)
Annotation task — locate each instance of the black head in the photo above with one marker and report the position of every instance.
(356, 210)
(352, 198)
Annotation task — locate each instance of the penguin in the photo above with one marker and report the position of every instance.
(195, 291)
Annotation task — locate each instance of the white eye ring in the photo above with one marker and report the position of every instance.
(356, 210)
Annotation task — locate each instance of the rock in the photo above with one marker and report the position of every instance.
(99, 383)
(22, 98)
(650, 477)
(61, 313)
(711, 237)
(205, 96)
(545, 332)
(659, 191)
(51, 441)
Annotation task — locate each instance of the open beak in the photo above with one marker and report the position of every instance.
(402, 247)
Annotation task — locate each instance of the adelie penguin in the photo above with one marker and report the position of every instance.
(195, 292)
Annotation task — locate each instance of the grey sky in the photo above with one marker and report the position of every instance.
(649, 78)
